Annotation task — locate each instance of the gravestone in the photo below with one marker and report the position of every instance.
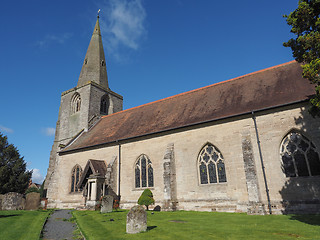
(32, 201)
(106, 204)
(13, 201)
(137, 220)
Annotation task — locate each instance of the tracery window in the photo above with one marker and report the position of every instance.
(299, 156)
(104, 106)
(143, 172)
(211, 165)
(75, 103)
(75, 177)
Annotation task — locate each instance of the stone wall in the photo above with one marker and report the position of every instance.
(13, 201)
(169, 179)
(70, 125)
(235, 138)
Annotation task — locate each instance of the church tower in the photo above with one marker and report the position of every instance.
(82, 106)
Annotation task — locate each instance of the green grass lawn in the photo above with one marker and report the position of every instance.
(24, 225)
(183, 225)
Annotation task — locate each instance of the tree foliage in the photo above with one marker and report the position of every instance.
(42, 190)
(305, 24)
(146, 198)
(32, 189)
(13, 174)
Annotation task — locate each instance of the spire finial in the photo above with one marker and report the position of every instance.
(98, 13)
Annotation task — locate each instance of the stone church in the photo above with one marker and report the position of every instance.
(244, 145)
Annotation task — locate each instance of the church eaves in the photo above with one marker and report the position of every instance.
(266, 89)
(94, 65)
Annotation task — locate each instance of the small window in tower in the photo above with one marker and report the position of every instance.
(102, 63)
(104, 106)
(85, 61)
(75, 103)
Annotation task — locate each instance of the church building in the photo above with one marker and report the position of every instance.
(243, 145)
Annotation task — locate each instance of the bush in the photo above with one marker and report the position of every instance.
(146, 198)
(32, 189)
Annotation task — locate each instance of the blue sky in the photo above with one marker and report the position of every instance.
(154, 49)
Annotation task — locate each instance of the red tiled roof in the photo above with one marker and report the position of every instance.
(267, 88)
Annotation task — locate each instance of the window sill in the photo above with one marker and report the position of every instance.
(302, 177)
(75, 193)
(213, 184)
(142, 189)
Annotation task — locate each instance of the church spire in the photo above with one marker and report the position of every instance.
(94, 65)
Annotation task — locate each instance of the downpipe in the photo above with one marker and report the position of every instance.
(261, 160)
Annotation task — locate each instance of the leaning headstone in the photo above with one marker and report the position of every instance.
(137, 220)
(157, 208)
(13, 201)
(32, 201)
(106, 204)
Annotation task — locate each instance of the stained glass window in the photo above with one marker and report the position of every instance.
(203, 173)
(211, 165)
(75, 178)
(212, 172)
(137, 173)
(72, 183)
(299, 156)
(221, 171)
(143, 172)
(150, 176)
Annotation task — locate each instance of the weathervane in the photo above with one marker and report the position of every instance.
(98, 13)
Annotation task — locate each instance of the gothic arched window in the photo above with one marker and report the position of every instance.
(299, 156)
(211, 165)
(104, 106)
(143, 172)
(75, 103)
(75, 177)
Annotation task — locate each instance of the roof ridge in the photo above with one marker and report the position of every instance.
(201, 88)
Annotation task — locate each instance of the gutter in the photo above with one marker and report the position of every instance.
(181, 127)
(119, 177)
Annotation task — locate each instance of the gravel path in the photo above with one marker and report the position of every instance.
(57, 227)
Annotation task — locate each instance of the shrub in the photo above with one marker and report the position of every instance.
(116, 204)
(146, 198)
(32, 189)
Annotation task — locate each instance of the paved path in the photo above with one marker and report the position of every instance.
(57, 227)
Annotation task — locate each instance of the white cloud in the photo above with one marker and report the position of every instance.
(122, 25)
(49, 131)
(5, 129)
(37, 177)
(49, 38)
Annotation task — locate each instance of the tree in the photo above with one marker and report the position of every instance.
(13, 174)
(305, 23)
(146, 198)
(32, 189)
